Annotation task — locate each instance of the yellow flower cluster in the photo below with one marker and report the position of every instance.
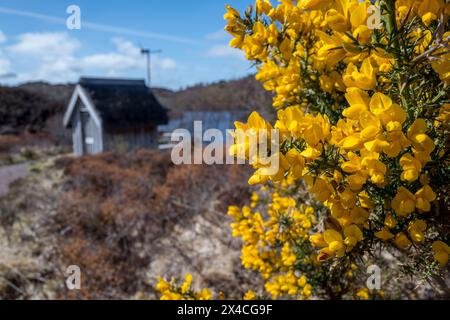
(366, 294)
(349, 124)
(270, 242)
(172, 291)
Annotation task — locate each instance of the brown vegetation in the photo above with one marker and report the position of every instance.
(123, 218)
(8, 143)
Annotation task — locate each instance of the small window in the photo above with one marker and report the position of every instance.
(89, 140)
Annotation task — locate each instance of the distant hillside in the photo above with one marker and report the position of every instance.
(40, 106)
(59, 93)
(244, 94)
(21, 110)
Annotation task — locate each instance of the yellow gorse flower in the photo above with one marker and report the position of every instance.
(172, 291)
(364, 78)
(441, 252)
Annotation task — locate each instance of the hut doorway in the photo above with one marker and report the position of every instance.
(87, 133)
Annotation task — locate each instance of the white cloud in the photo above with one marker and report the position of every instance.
(51, 53)
(126, 47)
(165, 63)
(217, 35)
(224, 51)
(112, 62)
(2, 37)
(5, 65)
(45, 45)
(54, 57)
(5, 69)
(126, 57)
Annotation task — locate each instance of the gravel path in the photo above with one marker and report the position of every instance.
(10, 174)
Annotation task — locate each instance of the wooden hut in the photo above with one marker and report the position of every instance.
(107, 114)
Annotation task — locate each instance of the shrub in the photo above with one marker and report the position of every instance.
(8, 143)
(363, 116)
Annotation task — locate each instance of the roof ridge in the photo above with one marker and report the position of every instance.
(111, 81)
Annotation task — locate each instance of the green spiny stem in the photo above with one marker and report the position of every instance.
(393, 33)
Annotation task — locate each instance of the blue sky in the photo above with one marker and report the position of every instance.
(35, 43)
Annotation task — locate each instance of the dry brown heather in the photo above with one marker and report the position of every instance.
(123, 218)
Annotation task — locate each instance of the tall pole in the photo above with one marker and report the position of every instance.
(148, 54)
(149, 70)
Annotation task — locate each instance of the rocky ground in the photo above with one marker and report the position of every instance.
(28, 264)
(9, 174)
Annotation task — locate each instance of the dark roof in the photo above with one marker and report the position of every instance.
(124, 104)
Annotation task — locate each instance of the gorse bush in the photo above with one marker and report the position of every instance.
(362, 99)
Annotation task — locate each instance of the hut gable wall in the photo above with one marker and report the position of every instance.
(80, 95)
(87, 135)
